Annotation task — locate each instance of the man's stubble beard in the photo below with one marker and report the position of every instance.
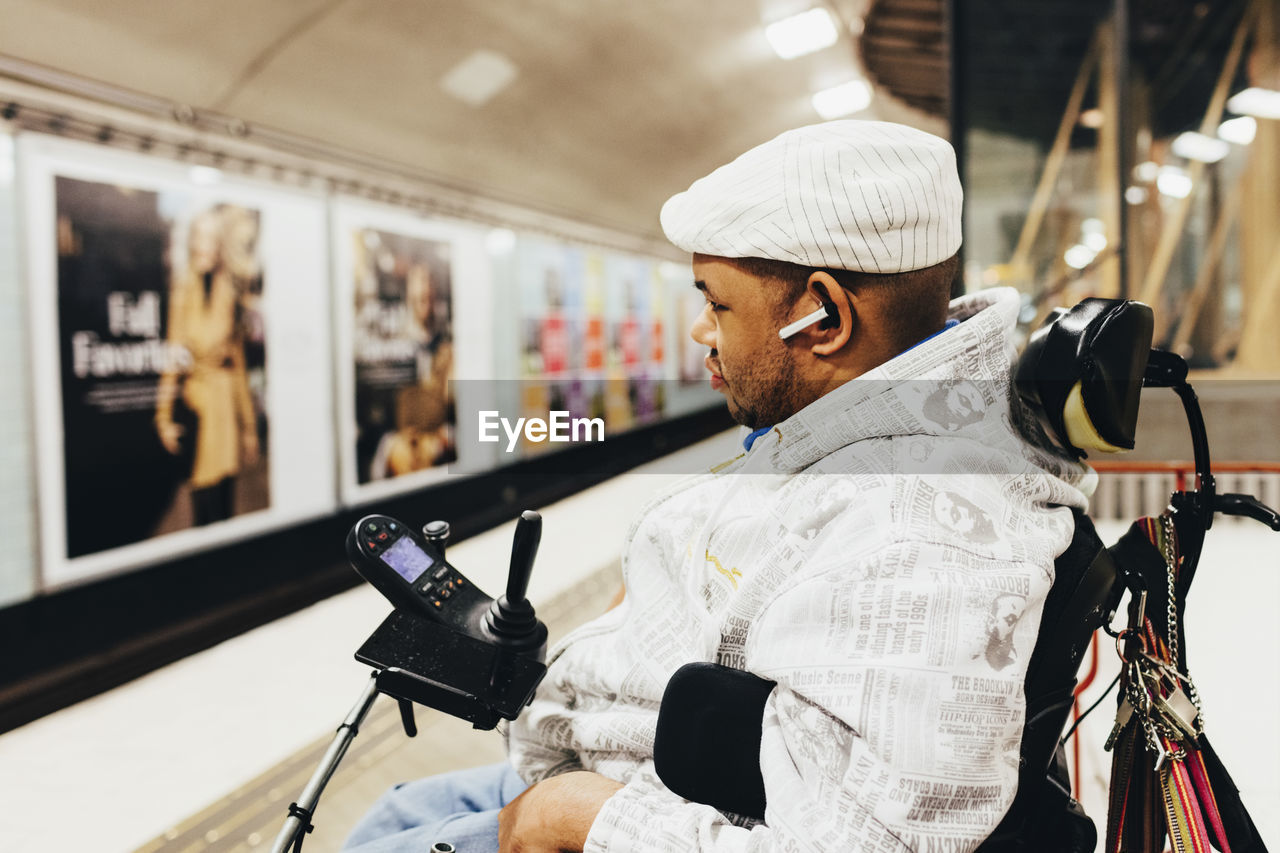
(767, 393)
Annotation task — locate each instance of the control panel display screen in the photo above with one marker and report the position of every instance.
(409, 561)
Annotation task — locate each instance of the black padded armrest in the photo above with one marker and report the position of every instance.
(707, 747)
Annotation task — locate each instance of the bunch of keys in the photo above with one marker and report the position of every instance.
(1153, 697)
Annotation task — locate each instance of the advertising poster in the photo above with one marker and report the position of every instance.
(158, 358)
(593, 338)
(551, 309)
(403, 353)
(162, 359)
(690, 304)
(416, 337)
(562, 332)
(689, 389)
(634, 393)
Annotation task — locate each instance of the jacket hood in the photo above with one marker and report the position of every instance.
(956, 385)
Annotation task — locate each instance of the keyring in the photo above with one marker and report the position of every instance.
(1120, 638)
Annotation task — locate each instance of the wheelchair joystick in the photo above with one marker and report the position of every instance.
(511, 620)
(446, 646)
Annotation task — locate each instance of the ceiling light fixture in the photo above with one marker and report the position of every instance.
(478, 78)
(801, 34)
(1198, 146)
(843, 100)
(1079, 256)
(1257, 102)
(1173, 182)
(1092, 118)
(1240, 130)
(1135, 195)
(1146, 171)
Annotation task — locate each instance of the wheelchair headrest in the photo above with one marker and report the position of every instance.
(1081, 374)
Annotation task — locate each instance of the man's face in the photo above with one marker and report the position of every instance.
(749, 363)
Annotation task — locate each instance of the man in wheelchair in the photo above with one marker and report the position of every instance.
(880, 553)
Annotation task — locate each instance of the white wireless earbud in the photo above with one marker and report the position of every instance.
(823, 313)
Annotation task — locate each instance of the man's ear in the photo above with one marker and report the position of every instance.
(835, 332)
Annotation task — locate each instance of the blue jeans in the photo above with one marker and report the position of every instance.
(460, 808)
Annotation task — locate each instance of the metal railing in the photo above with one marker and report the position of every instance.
(1131, 489)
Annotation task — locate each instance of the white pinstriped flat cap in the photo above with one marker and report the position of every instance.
(870, 196)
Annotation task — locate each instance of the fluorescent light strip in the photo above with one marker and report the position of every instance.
(842, 100)
(1257, 102)
(1173, 182)
(478, 78)
(1239, 130)
(801, 34)
(1079, 256)
(1198, 146)
(1146, 171)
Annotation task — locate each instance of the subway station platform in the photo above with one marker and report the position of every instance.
(206, 754)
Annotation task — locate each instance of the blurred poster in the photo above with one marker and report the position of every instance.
(628, 307)
(633, 320)
(160, 328)
(403, 349)
(692, 368)
(551, 308)
(593, 338)
(562, 332)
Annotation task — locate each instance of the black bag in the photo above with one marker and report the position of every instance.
(188, 419)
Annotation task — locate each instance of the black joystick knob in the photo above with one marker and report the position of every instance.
(511, 620)
(437, 533)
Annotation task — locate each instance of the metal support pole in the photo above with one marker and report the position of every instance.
(1124, 135)
(299, 820)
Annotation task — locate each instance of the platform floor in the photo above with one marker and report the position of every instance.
(250, 817)
(206, 754)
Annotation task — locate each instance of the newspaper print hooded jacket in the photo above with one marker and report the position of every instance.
(884, 556)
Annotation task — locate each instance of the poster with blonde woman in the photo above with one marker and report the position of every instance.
(160, 327)
(206, 415)
(403, 348)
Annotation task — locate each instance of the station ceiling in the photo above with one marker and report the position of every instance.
(614, 106)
